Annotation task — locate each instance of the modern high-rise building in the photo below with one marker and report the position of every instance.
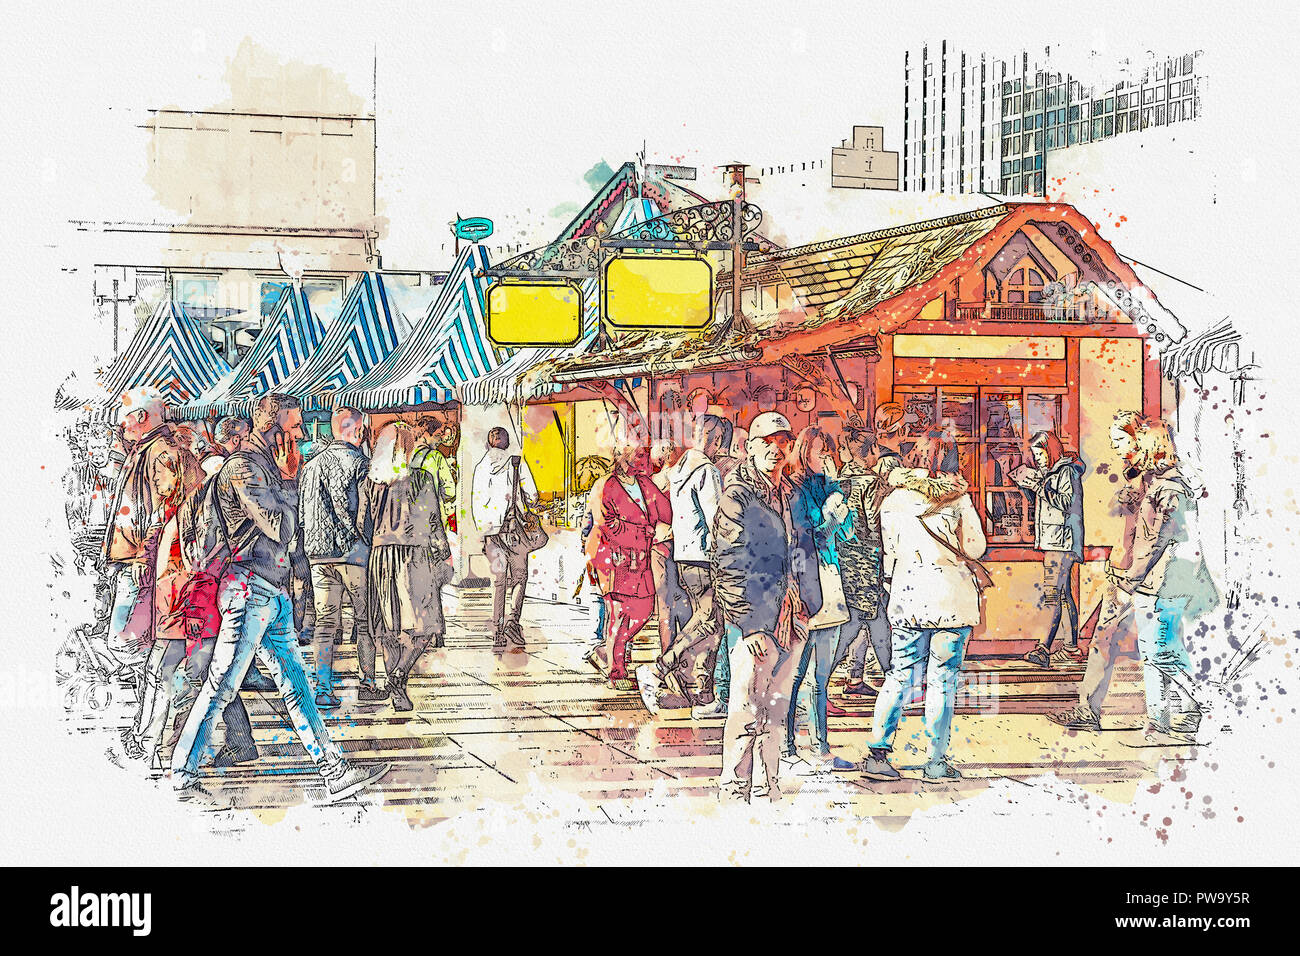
(977, 123)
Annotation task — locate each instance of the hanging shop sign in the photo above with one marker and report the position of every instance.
(474, 229)
(534, 313)
(644, 291)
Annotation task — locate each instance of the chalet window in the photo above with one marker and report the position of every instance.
(992, 428)
(1023, 285)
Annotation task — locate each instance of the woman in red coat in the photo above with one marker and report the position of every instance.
(627, 508)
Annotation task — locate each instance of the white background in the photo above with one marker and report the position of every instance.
(498, 109)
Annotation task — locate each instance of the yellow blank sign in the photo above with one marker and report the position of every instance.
(534, 313)
(658, 292)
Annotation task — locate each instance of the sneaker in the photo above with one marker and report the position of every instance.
(230, 756)
(499, 639)
(835, 710)
(596, 658)
(192, 791)
(937, 771)
(832, 762)
(624, 684)
(1069, 654)
(397, 690)
(327, 701)
(344, 779)
(1073, 720)
(1039, 656)
(859, 688)
(131, 747)
(649, 684)
(710, 711)
(369, 692)
(878, 768)
(667, 700)
(516, 635)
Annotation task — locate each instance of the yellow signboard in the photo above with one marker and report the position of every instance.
(658, 292)
(534, 313)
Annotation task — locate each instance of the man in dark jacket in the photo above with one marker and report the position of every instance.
(328, 499)
(257, 515)
(765, 582)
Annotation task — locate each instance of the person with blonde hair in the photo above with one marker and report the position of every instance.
(401, 506)
(1159, 606)
(1116, 609)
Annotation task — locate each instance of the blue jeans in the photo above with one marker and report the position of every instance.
(821, 649)
(1166, 667)
(126, 593)
(722, 669)
(256, 618)
(936, 653)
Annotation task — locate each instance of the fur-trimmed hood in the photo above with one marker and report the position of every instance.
(938, 488)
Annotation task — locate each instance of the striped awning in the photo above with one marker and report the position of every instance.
(290, 335)
(365, 333)
(169, 353)
(521, 378)
(448, 347)
(1216, 349)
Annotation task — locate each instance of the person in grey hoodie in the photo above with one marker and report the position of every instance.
(1056, 482)
(683, 674)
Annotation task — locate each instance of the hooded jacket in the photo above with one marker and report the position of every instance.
(930, 587)
(1058, 507)
(754, 557)
(490, 495)
(694, 491)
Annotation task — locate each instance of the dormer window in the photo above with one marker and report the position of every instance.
(1023, 285)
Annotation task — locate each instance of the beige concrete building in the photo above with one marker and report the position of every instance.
(863, 162)
(274, 185)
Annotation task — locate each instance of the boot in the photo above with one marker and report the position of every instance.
(397, 690)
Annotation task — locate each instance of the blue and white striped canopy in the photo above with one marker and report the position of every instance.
(290, 335)
(169, 353)
(450, 346)
(367, 330)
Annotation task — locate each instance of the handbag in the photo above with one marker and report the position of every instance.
(521, 529)
(835, 609)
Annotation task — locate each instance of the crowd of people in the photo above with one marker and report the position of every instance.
(815, 547)
(766, 570)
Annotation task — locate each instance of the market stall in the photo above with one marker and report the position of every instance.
(995, 323)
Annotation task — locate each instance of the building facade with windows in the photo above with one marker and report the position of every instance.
(977, 123)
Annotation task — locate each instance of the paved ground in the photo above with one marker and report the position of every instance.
(495, 726)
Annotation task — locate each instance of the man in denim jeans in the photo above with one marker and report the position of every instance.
(257, 516)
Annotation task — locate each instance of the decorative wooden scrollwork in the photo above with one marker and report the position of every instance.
(707, 222)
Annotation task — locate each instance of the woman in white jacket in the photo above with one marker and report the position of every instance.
(932, 536)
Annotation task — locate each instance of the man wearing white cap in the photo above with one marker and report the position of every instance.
(766, 587)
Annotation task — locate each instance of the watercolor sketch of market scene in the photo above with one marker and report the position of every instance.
(861, 476)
